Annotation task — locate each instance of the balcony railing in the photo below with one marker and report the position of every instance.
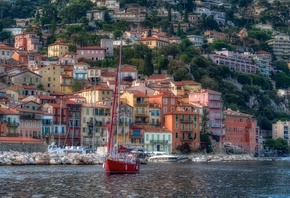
(57, 122)
(186, 120)
(97, 123)
(159, 141)
(30, 116)
(12, 124)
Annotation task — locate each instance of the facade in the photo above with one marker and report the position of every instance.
(153, 42)
(51, 77)
(281, 129)
(185, 129)
(9, 122)
(27, 41)
(30, 123)
(6, 51)
(281, 46)
(80, 71)
(95, 15)
(197, 40)
(157, 139)
(91, 52)
(66, 79)
(47, 127)
(234, 61)
(212, 35)
(95, 94)
(240, 131)
(140, 103)
(166, 101)
(108, 45)
(68, 59)
(94, 74)
(127, 71)
(73, 133)
(23, 78)
(57, 49)
(213, 101)
(154, 115)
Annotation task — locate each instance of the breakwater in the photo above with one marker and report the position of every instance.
(37, 158)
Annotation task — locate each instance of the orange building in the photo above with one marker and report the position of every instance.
(185, 128)
(167, 101)
(240, 130)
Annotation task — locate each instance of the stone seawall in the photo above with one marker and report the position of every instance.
(37, 158)
(23, 147)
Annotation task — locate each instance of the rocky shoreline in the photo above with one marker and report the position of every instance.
(20, 158)
(37, 158)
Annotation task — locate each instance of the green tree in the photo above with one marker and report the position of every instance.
(178, 32)
(148, 65)
(117, 34)
(181, 74)
(78, 85)
(169, 13)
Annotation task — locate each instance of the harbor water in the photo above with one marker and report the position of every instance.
(189, 179)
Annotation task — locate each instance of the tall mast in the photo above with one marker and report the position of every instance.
(114, 108)
(59, 121)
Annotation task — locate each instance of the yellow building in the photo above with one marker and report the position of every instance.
(66, 79)
(58, 49)
(51, 77)
(99, 93)
(140, 103)
(153, 42)
(184, 87)
(102, 117)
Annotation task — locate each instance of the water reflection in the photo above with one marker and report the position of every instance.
(230, 179)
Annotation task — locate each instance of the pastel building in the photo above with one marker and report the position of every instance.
(91, 52)
(281, 129)
(57, 49)
(234, 61)
(281, 46)
(27, 41)
(6, 51)
(157, 139)
(213, 101)
(240, 130)
(80, 71)
(185, 129)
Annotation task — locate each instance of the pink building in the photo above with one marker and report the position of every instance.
(213, 101)
(91, 52)
(27, 41)
(234, 61)
(30, 123)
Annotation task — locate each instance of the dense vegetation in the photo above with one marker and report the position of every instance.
(253, 94)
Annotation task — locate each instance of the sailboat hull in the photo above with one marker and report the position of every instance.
(114, 166)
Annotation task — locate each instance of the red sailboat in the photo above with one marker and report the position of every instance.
(119, 160)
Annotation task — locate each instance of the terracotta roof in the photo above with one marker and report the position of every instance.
(71, 102)
(157, 77)
(6, 111)
(21, 139)
(108, 74)
(27, 110)
(128, 68)
(190, 82)
(29, 87)
(58, 43)
(206, 91)
(138, 93)
(6, 47)
(46, 97)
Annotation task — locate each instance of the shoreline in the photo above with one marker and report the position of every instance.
(22, 158)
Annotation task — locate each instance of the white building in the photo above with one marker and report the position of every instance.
(157, 139)
(281, 130)
(197, 40)
(281, 46)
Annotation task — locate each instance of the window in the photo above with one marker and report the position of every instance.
(24, 79)
(176, 135)
(147, 137)
(172, 100)
(164, 100)
(87, 111)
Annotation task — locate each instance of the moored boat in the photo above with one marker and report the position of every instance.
(164, 157)
(118, 161)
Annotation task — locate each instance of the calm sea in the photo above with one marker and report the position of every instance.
(215, 179)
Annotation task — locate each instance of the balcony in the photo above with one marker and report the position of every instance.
(31, 116)
(97, 123)
(141, 103)
(186, 130)
(58, 123)
(12, 124)
(186, 120)
(159, 141)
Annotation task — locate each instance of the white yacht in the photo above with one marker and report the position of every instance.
(165, 157)
(53, 148)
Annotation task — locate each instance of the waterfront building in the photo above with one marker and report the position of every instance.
(167, 102)
(234, 61)
(57, 49)
(185, 129)
(213, 101)
(47, 127)
(30, 123)
(126, 121)
(9, 121)
(240, 130)
(281, 129)
(157, 139)
(73, 133)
